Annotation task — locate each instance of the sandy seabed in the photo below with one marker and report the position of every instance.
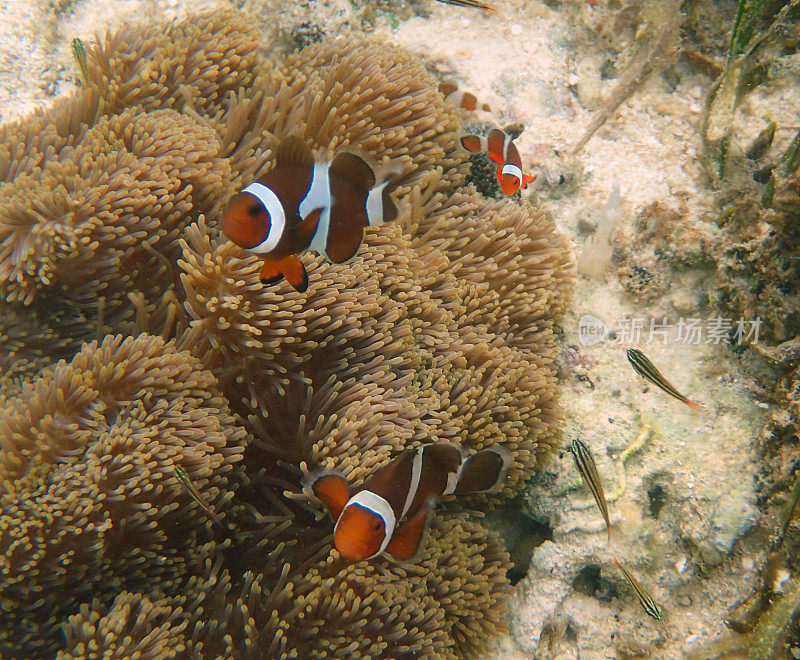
(540, 64)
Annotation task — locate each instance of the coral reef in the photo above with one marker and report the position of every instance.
(441, 328)
(759, 268)
(758, 274)
(761, 48)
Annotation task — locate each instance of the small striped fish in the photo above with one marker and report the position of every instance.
(475, 4)
(188, 484)
(79, 53)
(647, 370)
(588, 470)
(650, 606)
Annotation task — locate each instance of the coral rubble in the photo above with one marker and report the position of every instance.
(441, 328)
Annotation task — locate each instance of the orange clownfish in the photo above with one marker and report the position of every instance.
(501, 150)
(368, 523)
(304, 205)
(461, 99)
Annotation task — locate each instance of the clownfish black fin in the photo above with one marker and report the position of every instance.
(293, 152)
(346, 229)
(353, 169)
(332, 489)
(447, 456)
(484, 471)
(295, 272)
(407, 538)
(344, 239)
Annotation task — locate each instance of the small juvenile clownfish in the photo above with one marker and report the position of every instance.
(501, 149)
(368, 523)
(304, 205)
(460, 98)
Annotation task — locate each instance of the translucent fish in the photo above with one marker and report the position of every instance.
(79, 53)
(188, 484)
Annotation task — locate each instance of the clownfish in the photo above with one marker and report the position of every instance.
(304, 205)
(460, 98)
(500, 148)
(368, 523)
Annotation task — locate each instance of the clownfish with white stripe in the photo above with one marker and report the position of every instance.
(391, 512)
(460, 98)
(304, 205)
(501, 149)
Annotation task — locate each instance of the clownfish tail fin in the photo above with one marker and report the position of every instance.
(381, 207)
(484, 471)
(331, 488)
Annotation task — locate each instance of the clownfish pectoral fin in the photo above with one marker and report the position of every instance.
(293, 152)
(484, 471)
(270, 273)
(307, 227)
(295, 272)
(407, 539)
(332, 489)
(527, 178)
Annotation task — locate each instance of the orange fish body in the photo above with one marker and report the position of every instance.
(305, 205)
(391, 512)
(502, 150)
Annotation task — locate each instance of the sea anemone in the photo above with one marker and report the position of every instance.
(441, 328)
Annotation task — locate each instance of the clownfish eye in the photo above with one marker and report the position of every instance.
(254, 210)
(376, 525)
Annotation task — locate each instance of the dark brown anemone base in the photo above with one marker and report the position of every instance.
(173, 354)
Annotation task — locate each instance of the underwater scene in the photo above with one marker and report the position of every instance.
(400, 329)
